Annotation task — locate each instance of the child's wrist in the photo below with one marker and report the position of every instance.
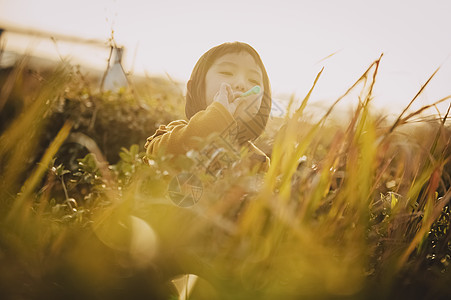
(224, 110)
(226, 107)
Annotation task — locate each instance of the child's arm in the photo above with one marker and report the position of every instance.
(177, 137)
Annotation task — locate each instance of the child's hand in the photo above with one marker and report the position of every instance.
(228, 98)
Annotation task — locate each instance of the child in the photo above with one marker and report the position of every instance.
(213, 104)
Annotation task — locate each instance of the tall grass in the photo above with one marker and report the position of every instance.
(345, 212)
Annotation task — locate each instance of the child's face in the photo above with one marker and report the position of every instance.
(240, 71)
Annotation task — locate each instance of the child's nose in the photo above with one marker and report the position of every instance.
(239, 85)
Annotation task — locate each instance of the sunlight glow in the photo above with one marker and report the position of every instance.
(294, 38)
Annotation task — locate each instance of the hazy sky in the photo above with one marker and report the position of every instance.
(292, 38)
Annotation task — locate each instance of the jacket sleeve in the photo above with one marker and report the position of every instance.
(178, 137)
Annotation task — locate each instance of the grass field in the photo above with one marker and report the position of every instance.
(353, 209)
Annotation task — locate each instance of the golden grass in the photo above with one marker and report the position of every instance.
(339, 214)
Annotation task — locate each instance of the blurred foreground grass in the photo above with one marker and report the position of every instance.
(352, 211)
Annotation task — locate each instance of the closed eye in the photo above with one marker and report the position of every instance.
(226, 73)
(254, 81)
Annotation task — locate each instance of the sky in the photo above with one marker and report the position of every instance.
(295, 40)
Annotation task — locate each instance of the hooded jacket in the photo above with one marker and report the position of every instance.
(180, 136)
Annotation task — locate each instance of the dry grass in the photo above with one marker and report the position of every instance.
(343, 212)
